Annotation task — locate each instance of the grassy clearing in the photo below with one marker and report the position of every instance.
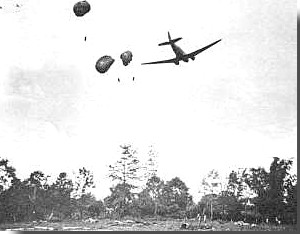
(141, 225)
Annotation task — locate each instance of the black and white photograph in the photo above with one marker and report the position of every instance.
(139, 115)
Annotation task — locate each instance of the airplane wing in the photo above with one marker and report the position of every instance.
(186, 55)
(200, 50)
(162, 61)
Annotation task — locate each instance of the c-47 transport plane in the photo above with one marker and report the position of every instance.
(180, 55)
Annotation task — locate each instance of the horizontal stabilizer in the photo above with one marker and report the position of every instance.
(170, 42)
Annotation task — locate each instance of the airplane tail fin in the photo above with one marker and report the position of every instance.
(171, 41)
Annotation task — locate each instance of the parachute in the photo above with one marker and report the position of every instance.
(104, 63)
(126, 57)
(81, 8)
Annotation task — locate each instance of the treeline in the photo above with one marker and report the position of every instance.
(252, 195)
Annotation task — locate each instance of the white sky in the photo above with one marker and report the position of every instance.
(234, 106)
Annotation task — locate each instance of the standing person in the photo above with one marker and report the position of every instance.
(199, 219)
(204, 218)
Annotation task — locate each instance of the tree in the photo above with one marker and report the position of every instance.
(175, 198)
(238, 188)
(149, 199)
(126, 172)
(7, 175)
(59, 199)
(279, 171)
(145, 203)
(207, 202)
(120, 199)
(83, 183)
(271, 188)
(81, 191)
(38, 179)
(14, 204)
(227, 206)
(96, 208)
(257, 179)
(25, 200)
(85, 203)
(154, 187)
(235, 183)
(38, 186)
(211, 185)
(151, 164)
(291, 200)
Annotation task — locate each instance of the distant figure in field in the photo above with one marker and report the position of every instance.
(267, 221)
(278, 222)
(201, 217)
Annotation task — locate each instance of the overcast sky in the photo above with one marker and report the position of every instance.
(234, 106)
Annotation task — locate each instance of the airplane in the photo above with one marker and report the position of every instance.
(180, 55)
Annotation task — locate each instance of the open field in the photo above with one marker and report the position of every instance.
(142, 225)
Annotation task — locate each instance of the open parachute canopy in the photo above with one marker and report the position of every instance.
(104, 63)
(81, 8)
(126, 57)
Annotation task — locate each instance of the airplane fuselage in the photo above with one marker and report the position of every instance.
(178, 51)
(179, 54)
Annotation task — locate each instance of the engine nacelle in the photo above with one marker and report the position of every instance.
(176, 62)
(193, 58)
